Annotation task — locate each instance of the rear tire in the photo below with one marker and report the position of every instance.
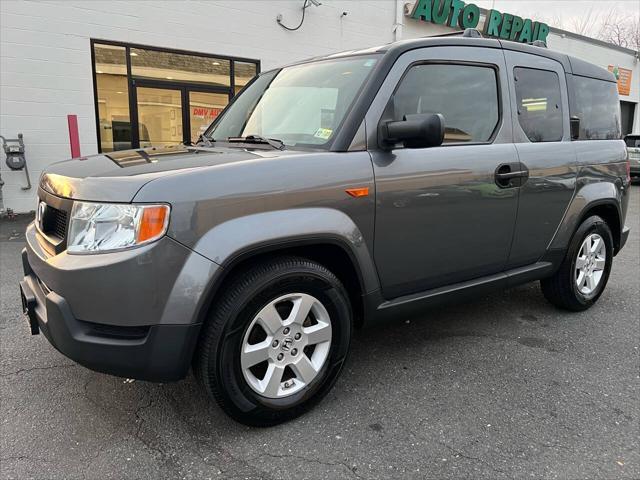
(584, 272)
(246, 318)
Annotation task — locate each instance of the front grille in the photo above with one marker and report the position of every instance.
(54, 222)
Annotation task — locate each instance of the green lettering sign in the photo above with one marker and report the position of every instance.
(496, 24)
(543, 31)
(492, 23)
(505, 28)
(527, 35)
(422, 10)
(516, 27)
(536, 29)
(470, 17)
(441, 11)
(456, 8)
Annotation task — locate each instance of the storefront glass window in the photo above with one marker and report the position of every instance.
(149, 96)
(112, 97)
(179, 67)
(243, 72)
(203, 109)
(159, 116)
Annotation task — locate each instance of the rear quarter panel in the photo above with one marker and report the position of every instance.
(601, 179)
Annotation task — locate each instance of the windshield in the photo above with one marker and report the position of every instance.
(301, 105)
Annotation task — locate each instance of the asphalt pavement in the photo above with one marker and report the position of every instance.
(505, 386)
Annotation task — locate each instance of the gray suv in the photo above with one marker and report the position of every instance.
(330, 194)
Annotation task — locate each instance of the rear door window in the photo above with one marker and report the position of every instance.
(598, 108)
(539, 104)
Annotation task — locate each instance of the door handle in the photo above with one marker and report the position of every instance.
(509, 175)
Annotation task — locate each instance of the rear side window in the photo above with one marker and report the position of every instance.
(539, 104)
(598, 108)
(466, 95)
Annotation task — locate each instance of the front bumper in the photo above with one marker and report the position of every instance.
(130, 331)
(157, 353)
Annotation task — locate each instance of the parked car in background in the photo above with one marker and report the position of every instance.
(331, 194)
(633, 147)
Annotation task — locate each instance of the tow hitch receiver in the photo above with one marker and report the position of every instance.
(29, 307)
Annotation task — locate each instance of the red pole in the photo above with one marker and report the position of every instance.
(74, 136)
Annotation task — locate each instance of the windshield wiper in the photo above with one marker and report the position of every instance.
(208, 142)
(274, 142)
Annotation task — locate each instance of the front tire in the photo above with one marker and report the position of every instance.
(275, 341)
(584, 273)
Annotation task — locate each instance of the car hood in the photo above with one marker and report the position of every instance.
(118, 176)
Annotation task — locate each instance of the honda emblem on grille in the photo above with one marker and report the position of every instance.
(42, 207)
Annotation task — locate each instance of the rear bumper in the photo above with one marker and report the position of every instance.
(154, 353)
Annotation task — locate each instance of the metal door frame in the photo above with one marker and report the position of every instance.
(184, 89)
(133, 81)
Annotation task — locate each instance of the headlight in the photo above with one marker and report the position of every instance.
(101, 227)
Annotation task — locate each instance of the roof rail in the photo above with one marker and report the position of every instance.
(472, 33)
(475, 33)
(467, 32)
(539, 43)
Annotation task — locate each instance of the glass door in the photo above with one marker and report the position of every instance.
(160, 116)
(170, 113)
(204, 107)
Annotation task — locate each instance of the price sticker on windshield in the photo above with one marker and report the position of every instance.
(323, 133)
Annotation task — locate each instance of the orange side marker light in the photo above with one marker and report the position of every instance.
(358, 192)
(153, 223)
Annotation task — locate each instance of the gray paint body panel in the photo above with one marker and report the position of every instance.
(160, 283)
(440, 217)
(545, 196)
(231, 209)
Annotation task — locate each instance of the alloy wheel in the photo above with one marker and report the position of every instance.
(590, 264)
(286, 345)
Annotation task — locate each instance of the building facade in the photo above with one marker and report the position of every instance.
(132, 74)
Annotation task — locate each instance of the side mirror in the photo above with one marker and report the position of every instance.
(574, 123)
(414, 131)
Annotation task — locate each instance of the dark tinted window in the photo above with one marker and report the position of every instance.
(467, 97)
(632, 141)
(597, 107)
(539, 104)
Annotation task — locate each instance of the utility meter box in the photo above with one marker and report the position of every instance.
(14, 150)
(15, 153)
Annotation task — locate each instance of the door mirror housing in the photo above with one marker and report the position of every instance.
(574, 124)
(420, 130)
